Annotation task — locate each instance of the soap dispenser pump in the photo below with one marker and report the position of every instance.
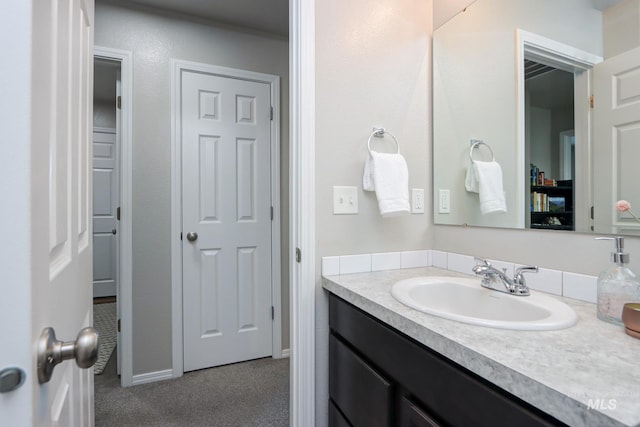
(617, 285)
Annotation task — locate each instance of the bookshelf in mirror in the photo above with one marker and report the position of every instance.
(551, 205)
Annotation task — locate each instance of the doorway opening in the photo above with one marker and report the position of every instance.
(106, 206)
(550, 145)
(112, 201)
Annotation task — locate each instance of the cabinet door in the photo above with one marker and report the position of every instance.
(335, 417)
(362, 395)
(412, 416)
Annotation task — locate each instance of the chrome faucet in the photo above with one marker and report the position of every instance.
(491, 275)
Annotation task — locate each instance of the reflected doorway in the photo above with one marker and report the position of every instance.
(550, 146)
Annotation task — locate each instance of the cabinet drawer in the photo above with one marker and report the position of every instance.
(413, 416)
(362, 395)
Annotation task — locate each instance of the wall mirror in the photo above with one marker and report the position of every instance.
(552, 89)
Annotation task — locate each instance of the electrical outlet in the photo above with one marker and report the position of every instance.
(444, 202)
(345, 200)
(417, 200)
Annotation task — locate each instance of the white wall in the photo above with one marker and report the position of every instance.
(155, 38)
(372, 69)
(621, 24)
(475, 91)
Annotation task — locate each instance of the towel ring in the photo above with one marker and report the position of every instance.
(380, 133)
(475, 143)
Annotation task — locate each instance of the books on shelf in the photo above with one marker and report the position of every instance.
(538, 179)
(542, 202)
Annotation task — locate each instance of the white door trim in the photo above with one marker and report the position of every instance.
(177, 66)
(125, 295)
(302, 212)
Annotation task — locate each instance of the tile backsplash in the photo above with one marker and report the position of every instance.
(567, 284)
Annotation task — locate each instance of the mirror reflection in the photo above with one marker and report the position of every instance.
(555, 101)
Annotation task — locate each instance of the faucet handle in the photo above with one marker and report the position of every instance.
(519, 278)
(483, 261)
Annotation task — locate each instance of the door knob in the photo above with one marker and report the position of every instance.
(11, 379)
(51, 351)
(192, 236)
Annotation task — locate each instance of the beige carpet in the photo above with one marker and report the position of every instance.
(104, 321)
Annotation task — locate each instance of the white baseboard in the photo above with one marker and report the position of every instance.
(152, 377)
(286, 352)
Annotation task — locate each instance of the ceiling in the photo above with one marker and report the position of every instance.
(271, 16)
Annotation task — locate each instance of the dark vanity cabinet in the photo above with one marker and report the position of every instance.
(380, 377)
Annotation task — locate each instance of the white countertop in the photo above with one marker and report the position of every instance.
(560, 372)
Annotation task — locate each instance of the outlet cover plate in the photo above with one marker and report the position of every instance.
(417, 200)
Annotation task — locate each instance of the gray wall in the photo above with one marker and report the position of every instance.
(372, 69)
(156, 38)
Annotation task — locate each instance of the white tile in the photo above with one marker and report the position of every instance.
(460, 263)
(355, 264)
(413, 259)
(439, 259)
(580, 286)
(544, 280)
(330, 265)
(385, 261)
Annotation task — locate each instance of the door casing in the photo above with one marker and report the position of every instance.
(125, 289)
(177, 67)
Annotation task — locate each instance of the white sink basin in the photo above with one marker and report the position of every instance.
(466, 301)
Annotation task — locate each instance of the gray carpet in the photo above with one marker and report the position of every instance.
(254, 393)
(104, 321)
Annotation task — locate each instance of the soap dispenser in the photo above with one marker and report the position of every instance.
(617, 285)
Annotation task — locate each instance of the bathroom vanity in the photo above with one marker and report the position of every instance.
(390, 365)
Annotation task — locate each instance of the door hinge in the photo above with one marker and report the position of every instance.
(591, 212)
(591, 101)
(271, 213)
(118, 325)
(181, 235)
(118, 213)
(119, 102)
(273, 313)
(271, 114)
(298, 255)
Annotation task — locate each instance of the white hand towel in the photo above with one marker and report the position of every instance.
(489, 175)
(367, 178)
(387, 174)
(471, 180)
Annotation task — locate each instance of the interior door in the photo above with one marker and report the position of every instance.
(49, 192)
(227, 314)
(105, 205)
(616, 147)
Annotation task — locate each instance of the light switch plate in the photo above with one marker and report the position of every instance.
(444, 202)
(345, 200)
(417, 200)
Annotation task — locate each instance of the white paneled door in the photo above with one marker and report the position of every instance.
(616, 137)
(105, 206)
(47, 249)
(226, 214)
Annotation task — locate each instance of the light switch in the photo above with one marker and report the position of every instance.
(444, 202)
(345, 200)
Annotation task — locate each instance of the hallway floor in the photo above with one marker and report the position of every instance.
(254, 393)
